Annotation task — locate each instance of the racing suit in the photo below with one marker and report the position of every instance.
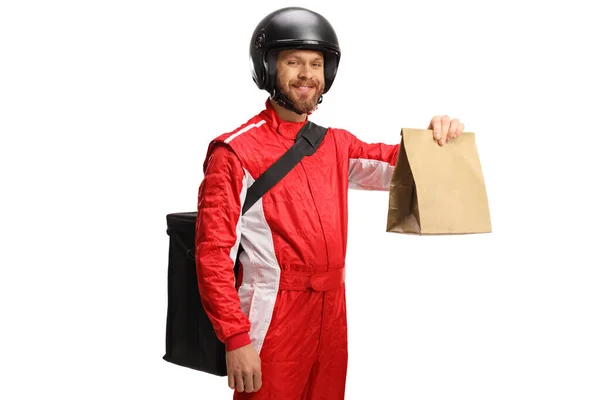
(290, 298)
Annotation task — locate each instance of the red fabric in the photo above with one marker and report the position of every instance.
(237, 341)
(304, 350)
(318, 281)
(305, 354)
(218, 202)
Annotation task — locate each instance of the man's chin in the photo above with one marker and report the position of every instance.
(304, 106)
(304, 103)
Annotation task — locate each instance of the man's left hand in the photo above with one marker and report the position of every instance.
(445, 129)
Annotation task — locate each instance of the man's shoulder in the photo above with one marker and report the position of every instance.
(236, 141)
(337, 133)
(249, 128)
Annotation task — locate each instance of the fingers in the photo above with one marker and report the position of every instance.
(249, 382)
(436, 125)
(239, 381)
(257, 381)
(453, 131)
(445, 129)
(231, 380)
(245, 381)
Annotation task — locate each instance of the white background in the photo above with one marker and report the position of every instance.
(106, 109)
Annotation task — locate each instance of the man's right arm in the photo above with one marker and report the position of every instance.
(220, 199)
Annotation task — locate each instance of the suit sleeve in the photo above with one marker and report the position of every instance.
(370, 164)
(220, 197)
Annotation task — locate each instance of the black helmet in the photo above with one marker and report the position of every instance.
(287, 28)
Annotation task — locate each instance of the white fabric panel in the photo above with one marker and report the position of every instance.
(260, 283)
(367, 174)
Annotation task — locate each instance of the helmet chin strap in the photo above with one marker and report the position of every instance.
(282, 100)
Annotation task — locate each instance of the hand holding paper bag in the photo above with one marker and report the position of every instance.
(437, 189)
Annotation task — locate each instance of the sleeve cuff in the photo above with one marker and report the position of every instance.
(237, 341)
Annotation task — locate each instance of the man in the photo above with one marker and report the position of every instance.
(284, 323)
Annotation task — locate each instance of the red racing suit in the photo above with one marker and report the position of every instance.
(290, 299)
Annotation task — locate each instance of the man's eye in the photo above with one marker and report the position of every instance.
(292, 62)
(316, 64)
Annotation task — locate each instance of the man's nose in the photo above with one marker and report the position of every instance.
(305, 72)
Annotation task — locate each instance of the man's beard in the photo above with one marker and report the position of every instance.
(302, 102)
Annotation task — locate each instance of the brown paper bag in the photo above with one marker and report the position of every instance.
(437, 189)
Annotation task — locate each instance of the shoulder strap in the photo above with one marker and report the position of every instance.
(307, 142)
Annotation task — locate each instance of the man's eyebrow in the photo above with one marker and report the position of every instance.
(297, 54)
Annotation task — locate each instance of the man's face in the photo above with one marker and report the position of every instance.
(301, 77)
